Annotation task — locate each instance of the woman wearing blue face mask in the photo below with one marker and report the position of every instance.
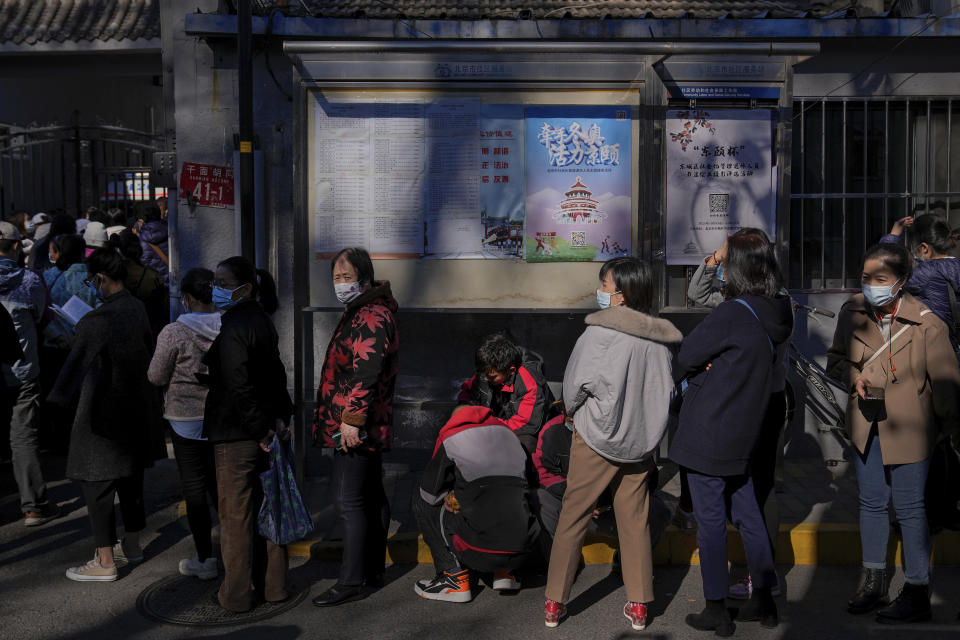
(616, 388)
(247, 403)
(893, 355)
(354, 417)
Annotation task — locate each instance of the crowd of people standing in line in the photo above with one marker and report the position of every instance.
(517, 477)
(499, 505)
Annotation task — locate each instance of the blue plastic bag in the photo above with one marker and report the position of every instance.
(283, 517)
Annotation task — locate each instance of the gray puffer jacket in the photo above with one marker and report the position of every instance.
(619, 382)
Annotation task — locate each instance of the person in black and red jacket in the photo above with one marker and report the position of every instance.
(510, 381)
(473, 509)
(354, 417)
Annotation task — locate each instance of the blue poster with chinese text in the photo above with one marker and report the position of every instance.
(578, 183)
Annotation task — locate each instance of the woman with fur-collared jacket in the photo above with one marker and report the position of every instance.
(893, 355)
(617, 387)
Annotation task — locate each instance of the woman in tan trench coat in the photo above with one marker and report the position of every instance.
(894, 357)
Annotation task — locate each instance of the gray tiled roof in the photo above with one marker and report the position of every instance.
(557, 9)
(28, 22)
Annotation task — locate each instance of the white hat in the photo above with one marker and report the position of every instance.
(115, 229)
(95, 235)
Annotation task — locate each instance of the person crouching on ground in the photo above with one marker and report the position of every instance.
(473, 509)
(510, 381)
(893, 355)
(730, 361)
(116, 431)
(617, 386)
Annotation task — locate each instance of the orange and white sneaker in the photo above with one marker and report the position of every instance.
(505, 581)
(451, 586)
(553, 613)
(636, 613)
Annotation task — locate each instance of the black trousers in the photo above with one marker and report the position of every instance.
(364, 513)
(198, 477)
(436, 527)
(99, 496)
(763, 464)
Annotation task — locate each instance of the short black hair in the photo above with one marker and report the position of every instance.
(199, 284)
(894, 256)
(359, 258)
(751, 266)
(108, 262)
(70, 249)
(633, 278)
(497, 353)
(7, 245)
(96, 215)
(151, 213)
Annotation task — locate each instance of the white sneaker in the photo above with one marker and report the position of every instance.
(122, 557)
(206, 570)
(93, 571)
(504, 581)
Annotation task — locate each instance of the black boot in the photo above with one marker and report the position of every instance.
(762, 607)
(912, 605)
(714, 617)
(872, 592)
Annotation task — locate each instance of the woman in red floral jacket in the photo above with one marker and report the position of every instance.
(355, 417)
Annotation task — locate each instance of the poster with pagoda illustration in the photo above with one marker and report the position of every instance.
(578, 183)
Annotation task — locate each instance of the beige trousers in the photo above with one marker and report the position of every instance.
(590, 473)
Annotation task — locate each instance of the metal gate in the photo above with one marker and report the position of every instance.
(70, 168)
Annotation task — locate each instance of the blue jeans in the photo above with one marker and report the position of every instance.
(905, 482)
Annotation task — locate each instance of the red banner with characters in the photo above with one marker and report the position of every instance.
(206, 184)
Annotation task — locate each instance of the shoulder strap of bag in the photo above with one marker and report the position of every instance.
(890, 342)
(160, 253)
(773, 349)
(954, 311)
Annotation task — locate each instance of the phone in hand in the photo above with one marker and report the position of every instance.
(875, 394)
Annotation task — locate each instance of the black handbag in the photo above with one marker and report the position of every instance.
(942, 493)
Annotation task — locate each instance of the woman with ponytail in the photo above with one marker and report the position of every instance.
(176, 364)
(247, 404)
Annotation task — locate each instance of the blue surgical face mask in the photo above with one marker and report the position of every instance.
(721, 278)
(879, 295)
(603, 299)
(223, 298)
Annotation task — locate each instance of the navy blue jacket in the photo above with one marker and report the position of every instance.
(929, 282)
(723, 408)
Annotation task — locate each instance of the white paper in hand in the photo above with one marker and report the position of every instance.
(73, 310)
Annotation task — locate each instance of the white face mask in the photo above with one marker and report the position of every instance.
(347, 291)
(603, 298)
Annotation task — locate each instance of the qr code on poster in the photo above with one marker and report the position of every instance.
(578, 238)
(719, 203)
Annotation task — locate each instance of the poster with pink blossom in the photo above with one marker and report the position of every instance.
(720, 178)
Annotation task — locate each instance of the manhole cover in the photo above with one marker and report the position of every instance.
(184, 600)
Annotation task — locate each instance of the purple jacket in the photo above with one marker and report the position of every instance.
(929, 283)
(155, 233)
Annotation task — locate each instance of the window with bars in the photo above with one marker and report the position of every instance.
(858, 165)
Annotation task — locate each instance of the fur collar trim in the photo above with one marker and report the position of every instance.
(634, 323)
(380, 289)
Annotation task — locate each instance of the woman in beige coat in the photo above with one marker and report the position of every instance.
(894, 357)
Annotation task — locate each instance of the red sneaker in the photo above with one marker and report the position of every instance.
(554, 612)
(637, 614)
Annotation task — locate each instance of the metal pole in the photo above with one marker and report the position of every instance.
(245, 72)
